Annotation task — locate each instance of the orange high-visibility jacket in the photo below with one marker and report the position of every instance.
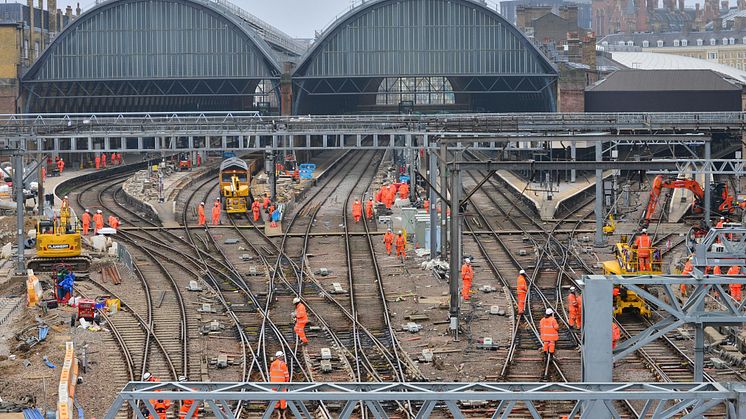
(549, 329)
(278, 372)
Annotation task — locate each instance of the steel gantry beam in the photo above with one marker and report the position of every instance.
(661, 400)
(215, 131)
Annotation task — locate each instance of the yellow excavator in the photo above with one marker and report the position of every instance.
(57, 241)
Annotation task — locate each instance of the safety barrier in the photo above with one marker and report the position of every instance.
(68, 381)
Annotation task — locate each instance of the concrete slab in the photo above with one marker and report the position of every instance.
(566, 190)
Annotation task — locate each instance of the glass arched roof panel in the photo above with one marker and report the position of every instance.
(422, 37)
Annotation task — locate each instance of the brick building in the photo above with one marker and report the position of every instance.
(20, 45)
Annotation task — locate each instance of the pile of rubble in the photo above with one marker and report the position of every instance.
(143, 185)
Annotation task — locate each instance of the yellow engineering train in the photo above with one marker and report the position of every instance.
(235, 184)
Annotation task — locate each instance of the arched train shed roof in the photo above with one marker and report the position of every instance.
(422, 37)
(154, 39)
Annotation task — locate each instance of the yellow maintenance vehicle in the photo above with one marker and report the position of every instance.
(57, 241)
(626, 262)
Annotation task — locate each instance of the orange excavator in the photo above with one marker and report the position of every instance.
(722, 201)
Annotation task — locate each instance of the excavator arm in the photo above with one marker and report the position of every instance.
(660, 182)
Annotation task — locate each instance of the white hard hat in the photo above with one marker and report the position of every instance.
(99, 211)
(388, 229)
(550, 312)
(66, 198)
(182, 378)
(399, 231)
(644, 230)
(87, 211)
(279, 354)
(202, 203)
(522, 272)
(296, 300)
(572, 289)
(467, 260)
(146, 376)
(721, 217)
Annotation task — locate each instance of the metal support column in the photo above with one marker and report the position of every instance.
(433, 177)
(600, 240)
(40, 191)
(573, 156)
(20, 209)
(707, 185)
(443, 203)
(269, 154)
(455, 261)
(596, 350)
(699, 347)
(412, 171)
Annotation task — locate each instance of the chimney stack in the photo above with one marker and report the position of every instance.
(31, 32)
(681, 5)
(724, 5)
(741, 4)
(52, 6)
(77, 10)
(589, 50)
(717, 24)
(69, 11)
(739, 23)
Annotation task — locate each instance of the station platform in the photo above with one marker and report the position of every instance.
(566, 190)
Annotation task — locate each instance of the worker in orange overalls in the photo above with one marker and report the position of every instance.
(266, 202)
(735, 289)
(201, 213)
(43, 174)
(186, 405)
(426, 206)
(216, 213)
(369, 209)
(385, 197)
(574, 308)
(400, 245)
(549, 332)
(301, 319)
(98, 162)
(103, 160)
(688, 268)
(161, 406)
(60, 165)
(113, 158)
(357, 210)
(642, 242)
(86, 219)
(98, 221)
(615, 334)
(404, 191)
(114, 222)
(278, 373)
(720, 223)
(388, 240)
(521, 291)
(256, 209)
(379, 194)
(467, 275)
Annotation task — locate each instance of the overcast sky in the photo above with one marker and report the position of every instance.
(298, 18)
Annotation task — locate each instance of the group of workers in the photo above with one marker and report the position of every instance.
(735, 289)
(400, 241)
(216, 210)
(387, 193)
(161, 406)
(116, 160)
(263, 204)
(98, 221)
